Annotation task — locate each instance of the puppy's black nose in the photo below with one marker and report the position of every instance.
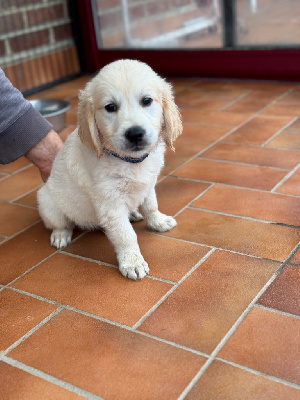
(135, 134)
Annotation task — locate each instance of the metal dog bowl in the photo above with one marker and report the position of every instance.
(54, 110)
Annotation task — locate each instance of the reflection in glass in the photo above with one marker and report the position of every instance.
(268, 22)
(158, 23)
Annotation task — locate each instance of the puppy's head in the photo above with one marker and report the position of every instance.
(127, 108)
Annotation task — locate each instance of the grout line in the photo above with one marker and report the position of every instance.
(239, 98)
(234, 186)
(230, 132)
(52, 379)
(212, 246)
(274, 310)
(173, 344)
(57, 251)
(26, 194)
(36, 296)
(29, 333)
(18, 170)
(21, 231)
(134, 330)
(213, 143)
(23, 205)
(199, 263)
(194, 199)
(217, 160)
(276, 187)
(264, 221)
(102, 263)
(278, 133)
(234, 328)
(258, 146)
(259, 373)
(31, 269)
(108, 321)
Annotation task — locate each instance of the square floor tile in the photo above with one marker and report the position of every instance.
(94, 288)
(108, 361)
(206, 305)
(268, 342)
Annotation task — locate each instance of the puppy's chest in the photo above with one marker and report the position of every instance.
(128, 185)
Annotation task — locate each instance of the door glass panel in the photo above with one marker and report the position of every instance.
(268, 22)
(158, 23)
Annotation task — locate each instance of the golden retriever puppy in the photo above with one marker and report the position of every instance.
(105, 174)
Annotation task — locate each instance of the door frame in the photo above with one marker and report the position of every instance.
(241, 63)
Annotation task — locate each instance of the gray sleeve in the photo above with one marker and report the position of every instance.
(21, 126)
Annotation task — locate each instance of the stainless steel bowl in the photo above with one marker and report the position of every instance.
(54, 110)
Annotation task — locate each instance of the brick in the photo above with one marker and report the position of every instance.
(45, 14)
(137, 12)
(2, 48)
(112, 39)
(29, 41)
(12, 22)
(11, 4)
(105, 4)
(63, 32)
(110, 20)
(158, 7)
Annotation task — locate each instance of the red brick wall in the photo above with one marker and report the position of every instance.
(148, 18)
(36, 42)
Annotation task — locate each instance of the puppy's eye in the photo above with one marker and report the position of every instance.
(146, 101)
(111, 108)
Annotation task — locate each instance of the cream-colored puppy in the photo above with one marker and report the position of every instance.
(105, 174)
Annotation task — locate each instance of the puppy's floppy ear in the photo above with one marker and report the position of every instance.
(172, 125)
(87, 129)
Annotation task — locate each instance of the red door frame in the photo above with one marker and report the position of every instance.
(269, 64)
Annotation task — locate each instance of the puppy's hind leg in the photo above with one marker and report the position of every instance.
(53, 218)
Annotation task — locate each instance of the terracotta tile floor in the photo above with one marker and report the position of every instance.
(219, 316)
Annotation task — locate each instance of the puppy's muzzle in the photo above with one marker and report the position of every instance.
(135, 138)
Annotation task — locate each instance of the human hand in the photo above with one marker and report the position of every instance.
(44, 153)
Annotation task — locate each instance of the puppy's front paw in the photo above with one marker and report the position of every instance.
(133, 266)
(161, 222)
(60, 238)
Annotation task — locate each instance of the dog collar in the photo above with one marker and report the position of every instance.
(131, 160)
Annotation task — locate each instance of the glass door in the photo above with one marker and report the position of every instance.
(212, 38)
